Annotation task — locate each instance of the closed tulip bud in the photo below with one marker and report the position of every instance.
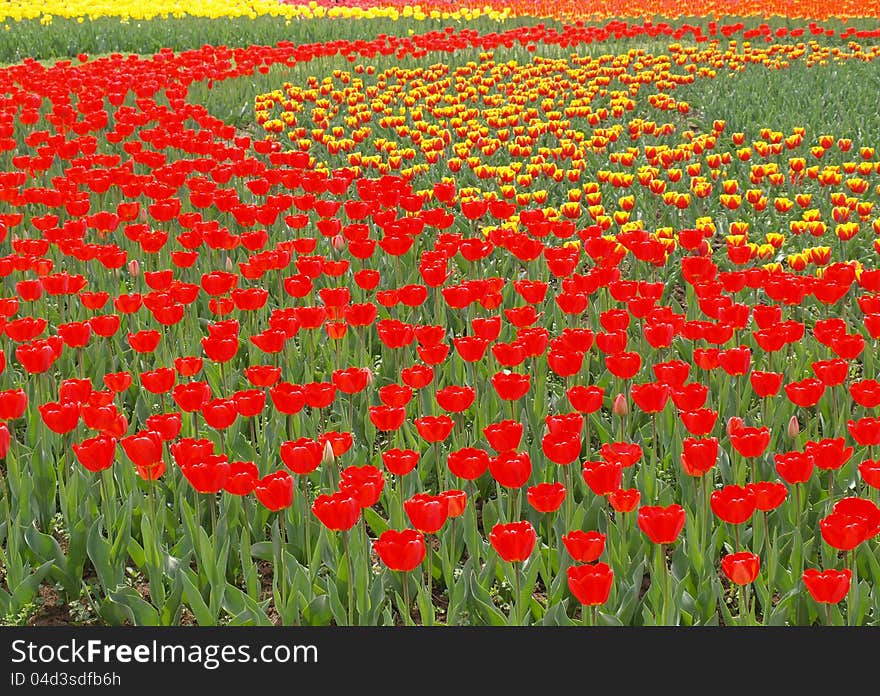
(619, 407)
(794, 427)
(339, 242)
(328, 456)
(134, 268)
(734, 423)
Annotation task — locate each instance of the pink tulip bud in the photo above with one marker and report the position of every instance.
(794, 428)
(134, 268)
(734, 423)
(339, 242)
(619, 407)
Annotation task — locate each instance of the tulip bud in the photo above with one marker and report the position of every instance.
(794, 428)
(230, 265)
(134, 268)
(619, 407)
(338, 242)
(327, 457)
(370, 377)
(734, 423)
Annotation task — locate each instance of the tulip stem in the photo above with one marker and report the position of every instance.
(550, 550)
(569, 495)
(282, 542)
(853, 589)
(350, 583)
(514, 605)
(407, 617)
(438, 468)
(429, 562)
(212, 503)
(306, 519)
(152, 505)
(743, 606)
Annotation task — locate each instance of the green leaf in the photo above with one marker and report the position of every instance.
(484, 604)
(375, 521)
(195, 601)
(140, 612)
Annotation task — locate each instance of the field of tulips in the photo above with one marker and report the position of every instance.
(489, 317)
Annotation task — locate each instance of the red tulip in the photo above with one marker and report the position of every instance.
(866, 392)
(733, 504)
(365, 483)
(513, 541)
(242, 478)
(13, 404)
(584, 547)
(96, 453)
(562, 448)
(288, 398)
(624, 453)
(338, 511)
(219, 413)
(60, 417)
(794, 467)
(427, 513)
(766, 384)
(590, 584)
(830, 453)
(865, 431)
(144, 447)
(504, 435)
(455, 399)
(456, 502)
(468, 463)
(603, 477)
(586, 399)
(651, 397)
(434, 428)
(187, 450)
(624, 499)
(699, 455)
(400, 462)
(844, 531)
(262, 375)
(208, 474)
(351, 380)
(750, 442)
(144, 341)
(302, 456)
(700, 421)
(769, 495)
(275, 491)
(511, 469)
(806, 392)
(387, 418)
(5, 440)
(741, 568)
(827, 586)
(191, 396)
(546, 497)
(869, 470)
(401, 550)
(662, 525)
(511, 386)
